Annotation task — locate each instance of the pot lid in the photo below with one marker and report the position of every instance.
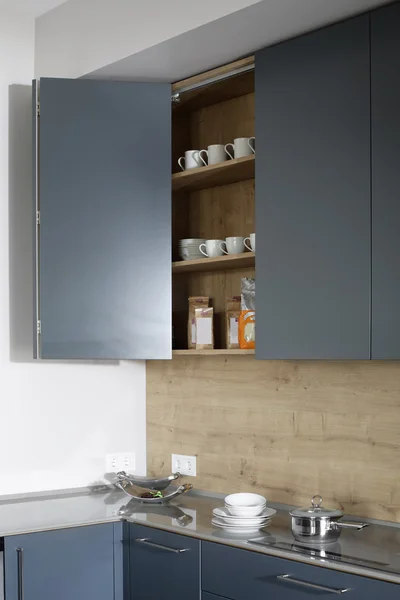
(316, 510)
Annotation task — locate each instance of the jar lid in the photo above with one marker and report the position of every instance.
(316, 510)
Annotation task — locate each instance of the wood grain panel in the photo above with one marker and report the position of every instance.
(221, 123)
(285, 429)
(223, 211)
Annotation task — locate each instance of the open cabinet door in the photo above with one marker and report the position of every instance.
(104, 249)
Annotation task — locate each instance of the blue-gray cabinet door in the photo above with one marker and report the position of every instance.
(313, 195)
(68, 564)
(163, 565)
(385, 120)
(243, 575)
(105, 220)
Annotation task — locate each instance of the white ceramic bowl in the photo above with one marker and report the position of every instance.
(245, 505)
(239, 511)
(245, 500)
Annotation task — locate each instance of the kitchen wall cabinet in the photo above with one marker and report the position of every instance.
(313, 195)
(163, 564)
(67, 564)
(242, 574)
(385, 121)
(104, 239)
(111, 213)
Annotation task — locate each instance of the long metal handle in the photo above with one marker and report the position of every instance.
(148, 542)
(314, 586)
(20, 571)
(348, 525)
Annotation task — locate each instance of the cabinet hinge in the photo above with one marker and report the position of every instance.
(38, 109)
(175, 99)
(38, 217)
(39, 327)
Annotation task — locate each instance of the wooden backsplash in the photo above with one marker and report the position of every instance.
(285, 429)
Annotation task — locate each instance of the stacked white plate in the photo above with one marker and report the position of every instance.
(223, 518)
(244, 512)
(189, 249)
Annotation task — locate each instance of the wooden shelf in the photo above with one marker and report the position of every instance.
(221, 263)
(236, 351)
(230, 171)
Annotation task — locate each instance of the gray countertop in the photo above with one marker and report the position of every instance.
(372, 552)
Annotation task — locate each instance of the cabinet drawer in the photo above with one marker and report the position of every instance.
(242, 574)
(163, 564)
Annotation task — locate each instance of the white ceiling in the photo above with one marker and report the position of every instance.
(32, 8)
(238, 34)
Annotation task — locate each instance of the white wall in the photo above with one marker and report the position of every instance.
(81, 36)
(57, 421)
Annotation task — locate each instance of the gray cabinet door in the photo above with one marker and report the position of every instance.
(385, 106)
(68, 564)
(313, 195)
(243, 575)
(163, 565)
(105, 220)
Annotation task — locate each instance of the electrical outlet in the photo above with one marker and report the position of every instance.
(112, 463)
(123, 461)
(185, 465)
(127, 461)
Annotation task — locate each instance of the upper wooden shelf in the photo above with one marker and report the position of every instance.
(230, 261)
(230, 171)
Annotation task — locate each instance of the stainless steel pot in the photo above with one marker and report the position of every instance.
(319, 525)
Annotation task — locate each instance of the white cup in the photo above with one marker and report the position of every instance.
(212, 248)
(192, 160)
(215, 153)
(252, 240)
(234, 245)
(241, 147)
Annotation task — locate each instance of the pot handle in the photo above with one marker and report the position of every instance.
(349, 525)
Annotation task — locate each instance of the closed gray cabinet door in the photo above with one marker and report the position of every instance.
(66, 564)
(313, 195)
(385, 98)
(105, 220)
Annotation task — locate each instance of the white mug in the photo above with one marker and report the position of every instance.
(192, 160)
(241, 147)
(215, 153)
(234, 245)
(252, 240)
(212, 248)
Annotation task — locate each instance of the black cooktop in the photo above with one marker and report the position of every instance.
(329, 552)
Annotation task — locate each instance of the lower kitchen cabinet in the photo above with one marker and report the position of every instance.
(66, 564)
(241, 574)
(163, 565)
